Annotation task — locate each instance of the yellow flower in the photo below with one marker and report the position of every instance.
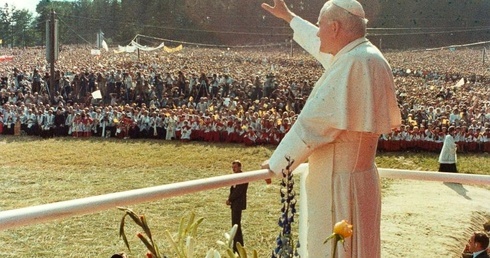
(343, 228)
(341, 231)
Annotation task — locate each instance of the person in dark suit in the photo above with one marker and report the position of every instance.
(237, 200)
(477, 246)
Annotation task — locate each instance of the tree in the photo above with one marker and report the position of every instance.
(15, 25)
(234, 22)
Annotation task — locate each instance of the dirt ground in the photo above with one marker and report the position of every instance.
(431, 219)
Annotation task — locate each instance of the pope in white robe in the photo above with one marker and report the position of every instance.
(337, 132)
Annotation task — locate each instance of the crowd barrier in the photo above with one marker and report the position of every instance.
(42, 213)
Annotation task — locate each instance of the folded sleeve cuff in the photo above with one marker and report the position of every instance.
(291, 146)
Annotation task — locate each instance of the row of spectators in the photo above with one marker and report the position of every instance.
(248, 96)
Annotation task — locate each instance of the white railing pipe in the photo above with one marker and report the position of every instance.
(435, 176)
(47, 212)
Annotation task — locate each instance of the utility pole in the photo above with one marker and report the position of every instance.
(484, 54)
(11, 34)
(138, 41)
(52, 52)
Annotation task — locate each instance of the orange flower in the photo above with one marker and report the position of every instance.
(149, 254)
(343, 228)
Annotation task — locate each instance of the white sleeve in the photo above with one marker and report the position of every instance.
(305, 34)
(297, 149)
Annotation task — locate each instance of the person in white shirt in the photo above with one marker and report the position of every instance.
(454, 117)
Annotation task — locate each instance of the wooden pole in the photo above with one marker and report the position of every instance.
(52, 54)
(138, 41)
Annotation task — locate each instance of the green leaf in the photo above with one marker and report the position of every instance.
(195, 226)
(330, 237)
(121, 226)
(191, 221)
(159, 255)
(147, 244)
(146, 228)
(122, 233)
(181, 229)
(125, 239)
(173, 242)
(241, 251)
(135, 217)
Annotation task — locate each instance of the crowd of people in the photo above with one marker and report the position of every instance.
(249, 96)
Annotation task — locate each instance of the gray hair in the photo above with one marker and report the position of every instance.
(351, 23)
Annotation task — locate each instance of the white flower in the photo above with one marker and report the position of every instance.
(227, 236)
(231, 235)
(213, 254)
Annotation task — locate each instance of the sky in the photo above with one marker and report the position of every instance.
(22, 4)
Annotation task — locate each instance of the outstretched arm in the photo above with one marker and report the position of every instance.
(305, 33)
(280, 10)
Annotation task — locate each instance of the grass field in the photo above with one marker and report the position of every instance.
(36, 171)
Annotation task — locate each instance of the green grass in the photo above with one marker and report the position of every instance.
(36, 171)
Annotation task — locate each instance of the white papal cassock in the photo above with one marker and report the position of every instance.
(337, 131)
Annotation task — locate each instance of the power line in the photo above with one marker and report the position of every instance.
(210, 45)
(429, 32)
(421, 30)
(78, 35)
(234, 32)
(431, 28)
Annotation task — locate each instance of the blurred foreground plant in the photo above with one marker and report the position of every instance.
(228, 244)
(285, 247)
(183, 244)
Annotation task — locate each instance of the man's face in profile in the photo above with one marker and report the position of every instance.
(472, 245)
(325, 31)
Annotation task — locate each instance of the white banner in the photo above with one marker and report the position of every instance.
(460, 83)
(145, 48)
(104, 45)
(96, 94)
(126, 49)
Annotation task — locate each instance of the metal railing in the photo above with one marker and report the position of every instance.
(47, 212)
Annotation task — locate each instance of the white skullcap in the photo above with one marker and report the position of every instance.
(352, 6)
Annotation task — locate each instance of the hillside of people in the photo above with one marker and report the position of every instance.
(238, 95)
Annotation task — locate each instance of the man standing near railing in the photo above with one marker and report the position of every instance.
(338, 129)
(237, 200)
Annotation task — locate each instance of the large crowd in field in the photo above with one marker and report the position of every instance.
(249, 96)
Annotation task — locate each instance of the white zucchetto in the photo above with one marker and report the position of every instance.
(352, 6)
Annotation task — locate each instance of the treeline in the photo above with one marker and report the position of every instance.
(394, 24)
